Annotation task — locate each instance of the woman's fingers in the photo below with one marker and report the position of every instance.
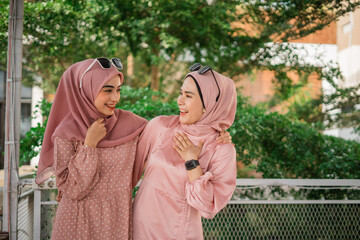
(182, 140)
(177, 149)
(186, 139)
(224, 137)
(178, 142)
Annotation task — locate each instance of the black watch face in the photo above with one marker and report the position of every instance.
(191, 164)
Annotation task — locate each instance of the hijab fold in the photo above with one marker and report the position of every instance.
(73, 111)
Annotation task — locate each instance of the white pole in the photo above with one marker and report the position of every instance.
(12, 117)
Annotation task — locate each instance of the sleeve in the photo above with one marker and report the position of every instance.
(213, 190)
(143, 149)
(76, 171)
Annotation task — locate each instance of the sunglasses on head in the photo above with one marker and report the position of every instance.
(202, 71)
(104, 64)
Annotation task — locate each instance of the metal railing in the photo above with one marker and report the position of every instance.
(289, 209)
(259, 209)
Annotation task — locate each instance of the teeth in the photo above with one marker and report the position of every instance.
(183, 111)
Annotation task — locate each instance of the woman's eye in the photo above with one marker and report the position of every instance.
(180, 93)
(119, 90)
(188, 96)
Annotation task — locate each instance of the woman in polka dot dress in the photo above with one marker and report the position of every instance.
(90, 147)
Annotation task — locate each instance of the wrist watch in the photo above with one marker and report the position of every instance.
(191, 164)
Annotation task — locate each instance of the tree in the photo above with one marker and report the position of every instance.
(231, 35)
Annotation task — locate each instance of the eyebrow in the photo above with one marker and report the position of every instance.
(188, 92)
(109, 86)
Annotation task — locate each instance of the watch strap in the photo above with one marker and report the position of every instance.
(191, 164)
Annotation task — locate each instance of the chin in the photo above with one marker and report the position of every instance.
(182, 121)
(185, 122)
(108, 114)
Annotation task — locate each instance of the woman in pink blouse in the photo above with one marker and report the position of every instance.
(187, 174)
(90, 147)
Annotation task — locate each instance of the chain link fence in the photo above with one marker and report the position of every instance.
(285, 221)
(264, 209)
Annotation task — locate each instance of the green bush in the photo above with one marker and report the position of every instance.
(283, 148)
(146, 103)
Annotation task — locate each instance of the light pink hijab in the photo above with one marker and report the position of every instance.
(219, 115)
(73, 111)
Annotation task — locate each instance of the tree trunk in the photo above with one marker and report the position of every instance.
(130, 70)
(155, 80)
(130, 65)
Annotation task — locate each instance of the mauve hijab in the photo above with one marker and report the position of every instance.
(73, 111)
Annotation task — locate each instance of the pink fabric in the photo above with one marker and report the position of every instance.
(95, 185)
(73, 112)
(167, 205)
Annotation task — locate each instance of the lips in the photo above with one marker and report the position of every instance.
(111, 107)
(183, 112)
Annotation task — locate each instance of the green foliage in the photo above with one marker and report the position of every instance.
(284, 148)
(58, 33)
(30, 144)
(164, 35)
(4, 24)
(146, 103)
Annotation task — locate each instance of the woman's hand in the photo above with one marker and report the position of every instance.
(224, 137)
(186, 149)
(95, 133)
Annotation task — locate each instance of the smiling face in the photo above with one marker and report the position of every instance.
(108, 96)
(189, 101)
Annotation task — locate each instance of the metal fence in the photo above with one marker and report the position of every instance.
(25, 210)
(265, 209)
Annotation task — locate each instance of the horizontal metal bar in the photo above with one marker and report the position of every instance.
(26, 181)
(49, 203)
(24, 194)
(245, 202)
(297, 182)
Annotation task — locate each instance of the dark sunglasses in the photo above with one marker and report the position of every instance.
(202, 71)
(105, 64)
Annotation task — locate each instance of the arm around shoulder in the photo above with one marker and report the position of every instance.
(143, 148)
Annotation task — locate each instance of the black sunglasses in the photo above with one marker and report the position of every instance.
(201, 71)
(105, 64)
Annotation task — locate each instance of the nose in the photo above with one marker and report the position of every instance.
(115, 97)
(180, 100)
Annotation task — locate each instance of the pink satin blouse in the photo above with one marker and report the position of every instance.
(167, 205)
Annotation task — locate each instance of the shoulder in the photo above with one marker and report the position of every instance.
(225, 151)
(164, 121)
(130, 115)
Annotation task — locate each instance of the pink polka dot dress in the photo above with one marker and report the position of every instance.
(95, 189)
